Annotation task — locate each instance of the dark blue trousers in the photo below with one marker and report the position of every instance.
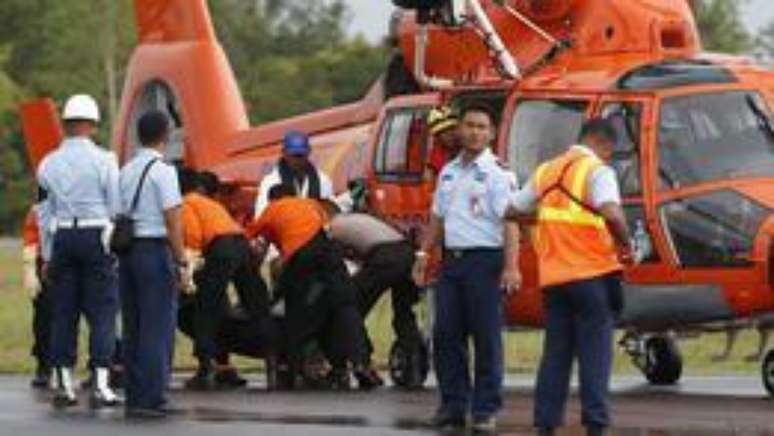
(468, 303)
(149, 298)
(83, 281)
(579, 324)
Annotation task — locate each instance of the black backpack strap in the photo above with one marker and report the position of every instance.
(144, 175)
(559, 185)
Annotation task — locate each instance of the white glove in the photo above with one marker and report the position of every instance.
(107, 234)
(187, 280)
(194, 259)
(194, 262)
(30, 280)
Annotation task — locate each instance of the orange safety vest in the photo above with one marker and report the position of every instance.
(571, 240)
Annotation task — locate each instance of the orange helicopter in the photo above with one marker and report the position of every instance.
(696, 162)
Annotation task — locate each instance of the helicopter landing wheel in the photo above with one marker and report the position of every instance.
(663, 364)
(409, 368)
(767, 372)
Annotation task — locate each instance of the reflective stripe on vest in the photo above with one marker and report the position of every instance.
(573, 213)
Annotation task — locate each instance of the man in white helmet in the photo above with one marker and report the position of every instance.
(79, 198)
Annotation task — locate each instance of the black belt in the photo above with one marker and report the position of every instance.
(462, 252)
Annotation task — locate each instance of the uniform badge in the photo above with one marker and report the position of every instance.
(475, 206)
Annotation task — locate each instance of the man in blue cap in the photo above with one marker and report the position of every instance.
(296, 170)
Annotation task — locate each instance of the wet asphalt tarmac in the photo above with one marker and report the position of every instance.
(696, 407)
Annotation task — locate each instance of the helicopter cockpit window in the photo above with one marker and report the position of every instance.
(541, 130)
(402, 145)
(716, 229)
(626, 157)
(710, 137)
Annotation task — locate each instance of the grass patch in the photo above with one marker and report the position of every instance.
(522, 348)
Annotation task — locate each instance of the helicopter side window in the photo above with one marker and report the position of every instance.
(626, 156)
(716, 229)
(157, 95)
(714, 136)
(542, 130)
(402, 145)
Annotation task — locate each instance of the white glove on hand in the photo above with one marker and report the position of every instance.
(186, 279)
(107, 234)
(194, 262)
(30, 280)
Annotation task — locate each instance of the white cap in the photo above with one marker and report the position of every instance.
(81, 107)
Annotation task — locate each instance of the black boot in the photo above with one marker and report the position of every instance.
(338, 379)
(596, 430)
(42, 378)
(117, 376)
(368, 379)
(229, 378)
(204, 379)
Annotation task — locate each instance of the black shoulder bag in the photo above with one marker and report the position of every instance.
(123, 232)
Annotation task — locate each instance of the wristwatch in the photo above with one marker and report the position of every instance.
(421, 254)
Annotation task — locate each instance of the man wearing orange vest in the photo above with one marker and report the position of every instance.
(41, 299)
(581, 239)
(320, 298)
(210, 230)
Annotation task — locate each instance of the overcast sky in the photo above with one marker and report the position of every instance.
(371, 16)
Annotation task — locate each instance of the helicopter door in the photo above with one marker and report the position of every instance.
(536, 129)
(399, 190)
(630, 164)
(705, 138)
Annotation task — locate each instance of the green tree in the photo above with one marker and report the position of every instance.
(721, 26)
(291, 57)
(54, 49)
(16, 187)
(15, 182)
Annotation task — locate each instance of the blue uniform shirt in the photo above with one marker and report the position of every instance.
(77, 180)
(472, 200)
(159, 193)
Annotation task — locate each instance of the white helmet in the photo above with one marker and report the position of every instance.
(81, 107)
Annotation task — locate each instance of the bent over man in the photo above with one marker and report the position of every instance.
(386, 259)
(319, 295)
(210, 230)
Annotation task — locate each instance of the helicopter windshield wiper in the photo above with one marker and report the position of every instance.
(764, 120)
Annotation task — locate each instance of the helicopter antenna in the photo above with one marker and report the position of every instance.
(506, 62)
(532, 26)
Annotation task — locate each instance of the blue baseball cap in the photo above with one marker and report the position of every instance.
(296, 142)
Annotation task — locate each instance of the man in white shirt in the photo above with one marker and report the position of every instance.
(295, 169)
